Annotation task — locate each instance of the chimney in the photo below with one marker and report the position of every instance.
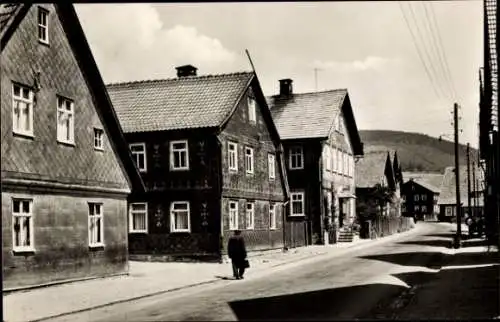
(186, 70)
(286, 87)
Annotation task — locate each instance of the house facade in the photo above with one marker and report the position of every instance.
(447, 201)
(373, 170)
(66, 171)
(321, 143)
(211, 160)
(420, 199)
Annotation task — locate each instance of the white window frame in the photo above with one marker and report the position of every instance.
(252, 109)
(423, 197)
(98, 139)
(271, 163)
(232, 155)
(296, 153)
(415, 197)
(62, 104)
(327, 162)
(132, 214)
(92, 219)
(272, 216)
(416, 208)
(339, 161)
(18, 100)
(233, 213)
(176, 150)
(250, 215)
(173, 212)
(21, 214)
(333, 160)
(43, 27)
(137, 154)
(423, 208)
(249, 160)
(302, 197)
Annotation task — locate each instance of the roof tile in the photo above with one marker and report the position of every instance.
(306, 115)
(370, 169)
(448, 190)
(186, 102)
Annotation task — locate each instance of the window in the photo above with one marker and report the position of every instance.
(65, 120)
(272, 216)
(296, 158)
(404, 197)
(450, 211)
(22, 225)
(248, 160)
(98, 139)
(139, 154)
(415, 197)
(403, 208)
(252, 117)
(179, 156)
(232, 149)
(339, 161)
(297, 204)
(423, 197)
(95, 225)
(417, 208)
(334, 160)
(435, 197)
(138, 217)
(43, 25)
(250, 215)
(327, 161)
(22, 110)
(179, 217)
(272, 165)
(233, 215)
(424, 208)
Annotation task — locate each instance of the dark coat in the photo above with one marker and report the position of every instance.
(236, 248)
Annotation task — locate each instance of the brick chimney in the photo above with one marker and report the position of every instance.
(186, 70)
(286, 88)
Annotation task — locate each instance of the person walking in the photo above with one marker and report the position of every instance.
(237, 252)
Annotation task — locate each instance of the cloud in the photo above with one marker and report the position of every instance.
(130, 42)
(369, 63)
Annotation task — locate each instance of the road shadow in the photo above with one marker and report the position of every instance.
(459, 294)
(225, 277)
(327, 304)
(434, 260)
(446, 243)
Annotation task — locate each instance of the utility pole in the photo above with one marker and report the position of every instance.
(468, 182)
(474, 187)
(458, 235)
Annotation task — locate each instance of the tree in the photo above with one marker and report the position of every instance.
(382, 195)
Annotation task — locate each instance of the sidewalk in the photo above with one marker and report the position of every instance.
(467, 287)
(150, 278)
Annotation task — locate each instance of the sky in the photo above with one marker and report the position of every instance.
(366, 47)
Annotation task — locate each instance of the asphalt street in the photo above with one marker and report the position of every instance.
(361, 284)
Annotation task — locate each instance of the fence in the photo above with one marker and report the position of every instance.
(385, 226)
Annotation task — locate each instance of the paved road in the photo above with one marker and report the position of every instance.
(357, 285)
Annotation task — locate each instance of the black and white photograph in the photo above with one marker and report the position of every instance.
(237, 161)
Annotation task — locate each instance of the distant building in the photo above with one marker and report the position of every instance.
(211, 158)
(420, 197)
(66, 169)
(447, 198)
(321, 142)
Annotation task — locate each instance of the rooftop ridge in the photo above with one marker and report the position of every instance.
(317, 92)
(161, 80)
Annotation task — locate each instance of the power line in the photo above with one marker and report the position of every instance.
(428, 55)
(442, 51)
(419, 52)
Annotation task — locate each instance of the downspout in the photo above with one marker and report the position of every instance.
(284, 177)
(219, 193)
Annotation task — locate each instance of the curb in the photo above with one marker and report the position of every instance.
(306, 258)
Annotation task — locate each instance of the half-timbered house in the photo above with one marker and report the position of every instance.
(321, 142)
(66, 170)
(211, 159)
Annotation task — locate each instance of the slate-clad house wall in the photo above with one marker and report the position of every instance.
(321, 143)
(65, 168)
(212, 115)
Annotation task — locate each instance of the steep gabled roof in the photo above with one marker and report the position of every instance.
(80, 47)
(178, 103)
(312, 115)
(372, 168)
(447, 194)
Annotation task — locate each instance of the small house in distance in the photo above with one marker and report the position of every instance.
(420, 194)
(321, 141)
(211, 158)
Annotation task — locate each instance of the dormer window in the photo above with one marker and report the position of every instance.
(252, 116)
(43, 25)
